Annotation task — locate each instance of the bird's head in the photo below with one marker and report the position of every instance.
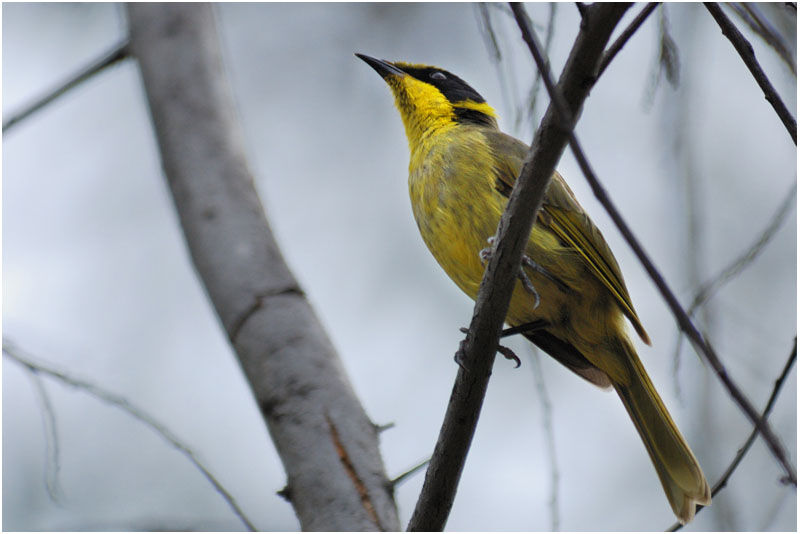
(430, 98)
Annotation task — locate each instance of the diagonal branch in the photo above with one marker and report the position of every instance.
(723, 481)
(683, 319)
(745, 50)
(477, 352)
(623, 38)
(119, 52)
(10, 350)
(326, 442)
(744, 260)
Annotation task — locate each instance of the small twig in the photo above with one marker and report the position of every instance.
(683, 319)
(533, 95)
(10, 350)
(710, 287)
(745, 50)
(117, 53)
(635, 24)
(740, 263)
(53, 454)
(723, 481)
(402, 477)
(550, 437)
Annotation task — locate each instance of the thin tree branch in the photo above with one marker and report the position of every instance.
(707, 290)
(402, 477)
(477, 352)
(723, 481)
(53, 450)
(710, 287)
(116, 54)
(745, 50)
(550, 437)
(326, 442)
(623, 38)
(529, 112)
(683, 319)
(11, 351)
(752, 16)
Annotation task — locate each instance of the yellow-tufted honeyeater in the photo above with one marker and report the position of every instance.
(461, 173)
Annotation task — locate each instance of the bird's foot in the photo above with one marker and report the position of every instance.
(507, 353)
(486, 253)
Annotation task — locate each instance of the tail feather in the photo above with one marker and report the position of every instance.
(677, 468)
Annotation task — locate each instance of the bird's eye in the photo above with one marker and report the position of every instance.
(438, 76)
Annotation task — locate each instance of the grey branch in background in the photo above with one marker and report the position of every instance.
(741, 262)
(327, 444)
(116, 54)
(13, 352)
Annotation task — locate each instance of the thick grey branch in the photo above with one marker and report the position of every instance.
(328, 446)
(477, 351)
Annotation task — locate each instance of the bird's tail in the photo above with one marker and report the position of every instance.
(677, 468)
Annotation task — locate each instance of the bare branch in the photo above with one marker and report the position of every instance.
(623, 38)
(53, 454)
(723, 481)
(477, 352)
(751, 14)
(729, 272)
(708, 289)
(326, 442)
(550, 437)
(745, 50)
(529, 112)
(683, 319)
(402, 477)
(115, 55)
(11, 351)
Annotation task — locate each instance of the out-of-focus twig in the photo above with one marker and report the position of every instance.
(745, 50)
(550, 437)
(117, 53)
(53, 450)
(18, 356)
(744, 260)
(723, 481)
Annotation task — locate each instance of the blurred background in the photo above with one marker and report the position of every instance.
(97, 280)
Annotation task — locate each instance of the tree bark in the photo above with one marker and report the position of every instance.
(328, 446)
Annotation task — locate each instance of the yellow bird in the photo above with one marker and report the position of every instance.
(461, 173)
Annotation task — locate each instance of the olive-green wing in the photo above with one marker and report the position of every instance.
(565, 217)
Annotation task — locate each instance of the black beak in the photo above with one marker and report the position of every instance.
(384, 68)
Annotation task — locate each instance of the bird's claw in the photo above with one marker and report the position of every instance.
(485, 253)
(507, 353)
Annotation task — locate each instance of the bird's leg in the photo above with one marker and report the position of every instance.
(507, 353)
(486, 253)
(525, 328)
